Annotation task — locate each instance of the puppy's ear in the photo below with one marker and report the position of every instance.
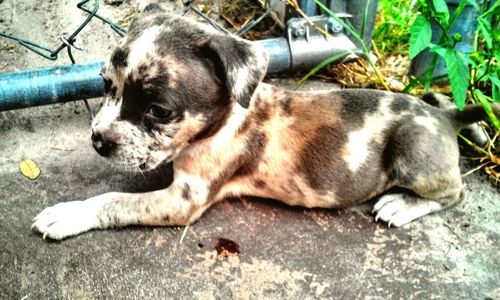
(239, 64)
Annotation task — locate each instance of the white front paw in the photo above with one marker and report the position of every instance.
(66, 219)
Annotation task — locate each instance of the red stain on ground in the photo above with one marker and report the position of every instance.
(227, 247)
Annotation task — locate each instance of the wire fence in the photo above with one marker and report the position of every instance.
(67, 42)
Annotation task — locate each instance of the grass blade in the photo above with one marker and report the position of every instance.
(487, 107)
(320, 66)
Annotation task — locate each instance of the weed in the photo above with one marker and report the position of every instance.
(392, 31)
(483, 61)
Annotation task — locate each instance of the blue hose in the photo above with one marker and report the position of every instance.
(50, 85)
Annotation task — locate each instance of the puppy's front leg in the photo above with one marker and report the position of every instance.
(171, 206)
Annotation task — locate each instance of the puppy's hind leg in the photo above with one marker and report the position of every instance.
(427, 166)
(400, 209)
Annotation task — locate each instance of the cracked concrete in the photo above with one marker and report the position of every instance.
(284, 252)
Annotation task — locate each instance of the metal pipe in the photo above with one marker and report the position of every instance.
(50, 85)
(73, 82)
(279, 54)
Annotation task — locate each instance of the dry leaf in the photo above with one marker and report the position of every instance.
(29, 168)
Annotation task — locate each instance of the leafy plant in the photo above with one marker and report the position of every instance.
(392, 33)
(483, 61)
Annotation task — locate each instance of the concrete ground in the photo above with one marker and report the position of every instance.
(241, 248)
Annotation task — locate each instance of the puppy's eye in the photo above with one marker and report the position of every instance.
(160, 113)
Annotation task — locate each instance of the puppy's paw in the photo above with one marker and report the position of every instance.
(401, 209)
(66, 219)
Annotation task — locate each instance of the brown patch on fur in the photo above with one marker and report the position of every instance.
(243, 165)
(285, 105)
(260, 113)
(259, 183)
(317, 155)
(256, 145)
(245, 125)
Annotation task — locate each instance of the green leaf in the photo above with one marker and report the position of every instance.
(458, 73)
(440, 6)
(495, 88)
(439, 50)
(363, 23)
(491, 10)
(441, 9)
(487, 107)
(494, 80)
(485, 29)
(420, 35)
(474, 4)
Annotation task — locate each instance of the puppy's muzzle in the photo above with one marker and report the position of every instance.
(102, 144)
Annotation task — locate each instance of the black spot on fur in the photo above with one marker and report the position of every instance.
(285, 106)
(134, 101)
(113, 91)
(399, 105)
(186, 192)
(356, 105)
(107, 85)
(431, 99)
(119, 58)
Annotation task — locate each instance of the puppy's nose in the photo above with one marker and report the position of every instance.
(101, 144)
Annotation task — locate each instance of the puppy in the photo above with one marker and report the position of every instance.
(178, 91)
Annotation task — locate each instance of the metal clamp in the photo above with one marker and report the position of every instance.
(302, 37)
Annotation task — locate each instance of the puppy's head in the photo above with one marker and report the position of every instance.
(169, 84)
